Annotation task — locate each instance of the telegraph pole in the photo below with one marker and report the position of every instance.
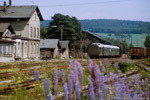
(122, 37)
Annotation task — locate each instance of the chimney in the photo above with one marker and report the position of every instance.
(10, 3)
(5, 7)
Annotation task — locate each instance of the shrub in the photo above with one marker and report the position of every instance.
(123, 66)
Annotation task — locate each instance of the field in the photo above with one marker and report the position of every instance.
(75, 79)
(137, 39)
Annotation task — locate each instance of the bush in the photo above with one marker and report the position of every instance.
(86, 57)
(123, 66)
(58, 57)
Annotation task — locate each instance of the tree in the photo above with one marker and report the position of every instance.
(43, 33)
(71, 28)
(147, 41)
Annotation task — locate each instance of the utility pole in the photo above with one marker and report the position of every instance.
(61, 40)
(61, 35)
(122, 37)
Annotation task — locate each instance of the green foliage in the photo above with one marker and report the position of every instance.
(114, 26)
(124, 67)
(86, 57)
(71, 28)
(147, 41)
(43, 33)
(58, 57)
(111, 26)
(122, 44)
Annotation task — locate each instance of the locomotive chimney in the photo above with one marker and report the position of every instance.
(10, 2)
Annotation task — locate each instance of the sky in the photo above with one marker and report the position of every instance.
(92, 9)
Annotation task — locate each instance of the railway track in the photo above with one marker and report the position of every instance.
(32, 83)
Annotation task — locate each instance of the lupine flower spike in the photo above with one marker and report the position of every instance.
(63, 77)
(49, 96)
(56, 75)
(78, 90)
(36, 74)
(70, 87)
(46, 87)
(100, 94)
(65, 91)
(91, 90)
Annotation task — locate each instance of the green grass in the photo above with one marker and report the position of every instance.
(137, 39)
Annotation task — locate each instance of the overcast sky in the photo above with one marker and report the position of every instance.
(92, 9)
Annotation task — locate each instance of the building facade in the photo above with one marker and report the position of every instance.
(25, 20)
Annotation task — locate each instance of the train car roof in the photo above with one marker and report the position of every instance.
(106, 46)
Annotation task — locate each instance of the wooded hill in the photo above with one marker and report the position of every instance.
(111, 26)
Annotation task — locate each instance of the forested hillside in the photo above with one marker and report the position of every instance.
(111, 26)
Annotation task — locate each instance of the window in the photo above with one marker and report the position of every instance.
(34, 32)
(31, 48)
(25, 48)
(31, 32)
(38, 33)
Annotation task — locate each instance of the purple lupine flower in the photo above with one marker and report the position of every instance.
(91, 89)
(105, 78)
(90, 65)
(96, 74)
(100, 94)
(104, 70)
(78, 90)
(118, 90)
(101, 80)
(63, 76)
(146, 81)
(75, 64)
(112, 80)
(101, 64)
(49, 96)
(106, 62)
(146, 93)
(70, 86)
(80, 71)
(111, 73)
(116, 65)
(65, 89)
(135, 95)
(70, 65)
(36, 75)
(73, 76)
(46, 87)
(56, 75)
(76, 69)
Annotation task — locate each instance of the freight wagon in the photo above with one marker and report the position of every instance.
(139, 52)
(103, 50)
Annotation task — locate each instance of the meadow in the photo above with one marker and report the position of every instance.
(137, 39)
(77, 80)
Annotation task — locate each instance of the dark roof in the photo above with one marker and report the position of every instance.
(48, 43)
(98, 37)
(6, 41)
(19, 12)
(5, 26)
(64, 44)
(23, 38)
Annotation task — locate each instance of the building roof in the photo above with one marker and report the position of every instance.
(19, 12)
(6, 41)
(105, 46)
(48, 43)
(5, 26)
(99, 38)
(64, 44)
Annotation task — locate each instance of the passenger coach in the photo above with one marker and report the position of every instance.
(103, 50)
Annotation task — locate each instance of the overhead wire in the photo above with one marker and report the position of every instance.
(81, 4)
